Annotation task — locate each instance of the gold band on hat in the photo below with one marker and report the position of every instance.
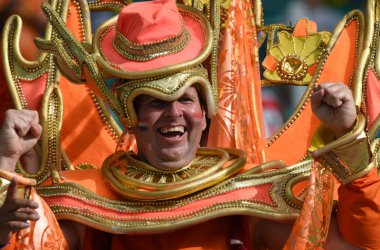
(152, 50)
(167, 87)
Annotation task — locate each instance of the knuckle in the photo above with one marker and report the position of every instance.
(32, 113)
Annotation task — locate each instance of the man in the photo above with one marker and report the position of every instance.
(165, 100)
(175, 126)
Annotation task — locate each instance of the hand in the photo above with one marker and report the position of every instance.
(334, 106)
(18, 135)
(15, 213)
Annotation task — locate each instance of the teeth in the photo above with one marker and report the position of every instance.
(180, 129)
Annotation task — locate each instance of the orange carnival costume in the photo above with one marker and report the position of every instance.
(136, 203)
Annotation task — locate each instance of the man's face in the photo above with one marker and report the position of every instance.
(168, 133)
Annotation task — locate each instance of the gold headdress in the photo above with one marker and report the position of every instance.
(151, 56)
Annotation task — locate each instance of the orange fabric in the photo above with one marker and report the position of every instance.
(42, 234)
(239, 122)
(359, 211)
(372, 97)
(34, 91)
(194, 238)
(311, 227)
(85, 137)
(270, 62)
(304, 27)
(343, 53)
(215, 234)
(91, 179)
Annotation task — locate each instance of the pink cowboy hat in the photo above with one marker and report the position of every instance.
(153, 38)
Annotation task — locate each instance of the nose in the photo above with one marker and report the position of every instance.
(173, 110)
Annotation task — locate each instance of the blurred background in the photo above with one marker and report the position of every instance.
(278, 102)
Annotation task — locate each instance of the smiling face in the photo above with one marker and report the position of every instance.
(169, 132)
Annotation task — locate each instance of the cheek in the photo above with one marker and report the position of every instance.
(197, 114)
(145, 121)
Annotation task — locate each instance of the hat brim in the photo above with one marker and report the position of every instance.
(180, 86)
(196, 51)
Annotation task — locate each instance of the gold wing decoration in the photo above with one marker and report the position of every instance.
(38, 85)
(369, 76)
(76, 60)
(21, 74)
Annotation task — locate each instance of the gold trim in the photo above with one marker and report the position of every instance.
(271, 165)
(52, 116)
(132, 172)
(150, 51)
(375, 149)
(258, 12)
(108, 5)
(136, 185)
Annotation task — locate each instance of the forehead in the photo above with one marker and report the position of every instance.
(190, 92)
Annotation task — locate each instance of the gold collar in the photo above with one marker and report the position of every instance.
(134, 179)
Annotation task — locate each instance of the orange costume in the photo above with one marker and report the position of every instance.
(83, 179)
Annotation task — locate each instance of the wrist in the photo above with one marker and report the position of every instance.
(339, 132)
(8, 163)
(349, 157)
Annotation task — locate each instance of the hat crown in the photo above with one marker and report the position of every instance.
(150, 22)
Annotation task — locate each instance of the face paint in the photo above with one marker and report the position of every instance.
(199, 116)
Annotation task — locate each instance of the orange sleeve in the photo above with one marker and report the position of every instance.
(359, 211)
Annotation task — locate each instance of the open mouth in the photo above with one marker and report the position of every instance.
(172, 132)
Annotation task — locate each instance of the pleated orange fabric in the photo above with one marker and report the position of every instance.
(239, 122)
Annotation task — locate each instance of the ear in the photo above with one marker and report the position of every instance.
(204, 123)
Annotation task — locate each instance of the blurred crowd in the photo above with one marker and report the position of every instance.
(34, 22)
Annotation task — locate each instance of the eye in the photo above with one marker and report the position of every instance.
(156, 103)
(185, 100)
